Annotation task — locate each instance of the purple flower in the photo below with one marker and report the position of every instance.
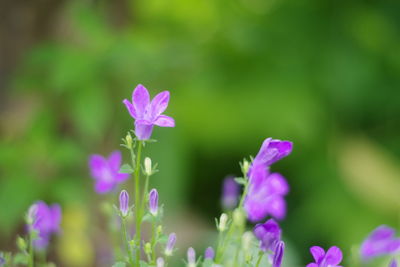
(160, 262)
(265, 195)
(153, 202)
(124, 203)
(46, 221)
(380, 242)
(169, 248)
(278, 254)
(209, 253)
(146, 113)
(106, 171)
(191, 257)
(272, 150)
(393, 263)
(230, 193)
(269, 234)
(329, 259)
(2, 261)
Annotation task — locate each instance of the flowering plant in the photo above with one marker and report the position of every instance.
(256, 195)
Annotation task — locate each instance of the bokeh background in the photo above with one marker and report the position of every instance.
(324, 74)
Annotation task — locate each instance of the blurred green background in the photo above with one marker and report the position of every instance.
(323, 74)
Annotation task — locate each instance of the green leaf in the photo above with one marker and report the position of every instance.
(20, 258)
(119, 264)
(126, 168)
(144, 264)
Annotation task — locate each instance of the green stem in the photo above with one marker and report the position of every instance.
(144, 195)
(153, 241)
(126, 239)
(260, 255)
(31, 253)
(138, 214)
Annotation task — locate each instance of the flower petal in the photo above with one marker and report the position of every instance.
(103, 187)
(96, 164)
(277, 207)
(55, 211)
(164, 121)
(381, 233)
(312, 265)
(273, 150)
(318, 253)
(159, 103)
(140, 100)
(333, 256)
(277, 184)
(130, 108)
(114, 160)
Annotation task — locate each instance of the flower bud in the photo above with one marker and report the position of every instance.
(191, 257)
(147, 248)
(247, 237)
(170, 245)
(209, 253)
(147, 166)
(230, 193)
(160, 262)
(278, 254)
(30, 218)
(239, 217)
(153, 202)
(128, 140)
(222, 226)
(159, 230)
(245, 167)
(21, 243)
(124, 203)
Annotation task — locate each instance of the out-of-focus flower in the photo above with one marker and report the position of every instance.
(106, 171)
(278, 254)
(209, 253)
(46, 221)
(269, 234)
(380, 242)
(329, 259)
(191, 257)
(393, 263)
(169, 248)
(230, 193)
(2, 261)
(146, 113)
(272, 150)
(160, 262)
(265, 195)
(124, 203)
(153, 202)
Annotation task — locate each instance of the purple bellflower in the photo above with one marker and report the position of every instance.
(45, 221)
(265, 195)
(269, 234)
(329, 259)
(124, 203)
(106, 172)
(381, 241)
(169, 248)
(278, 254)
(393, 263)
(153, 202)
(209, 253)
(146, 113)
(230, 193)
(271, 151)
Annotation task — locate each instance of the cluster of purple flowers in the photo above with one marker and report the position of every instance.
(264, 195)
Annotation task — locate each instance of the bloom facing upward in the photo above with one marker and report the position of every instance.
(380, 242)
(269, 234)
(329, 259)
(146, 113)
(46, 221)
(191, 257)
(105, 171)
(230, 193)
(265, 195)
(169, 248)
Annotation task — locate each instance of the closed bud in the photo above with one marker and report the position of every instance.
(209, 253)
(128, 140)
(159, 230)
(223, 220)
(169, 248)
(160, 262)
(21, 243)
(191, 257)
(147, 248)
(124, 203)
(147, 166)
(245, 167)
(247, 237)
(153, 202)
(30, 218)
(238, 217)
